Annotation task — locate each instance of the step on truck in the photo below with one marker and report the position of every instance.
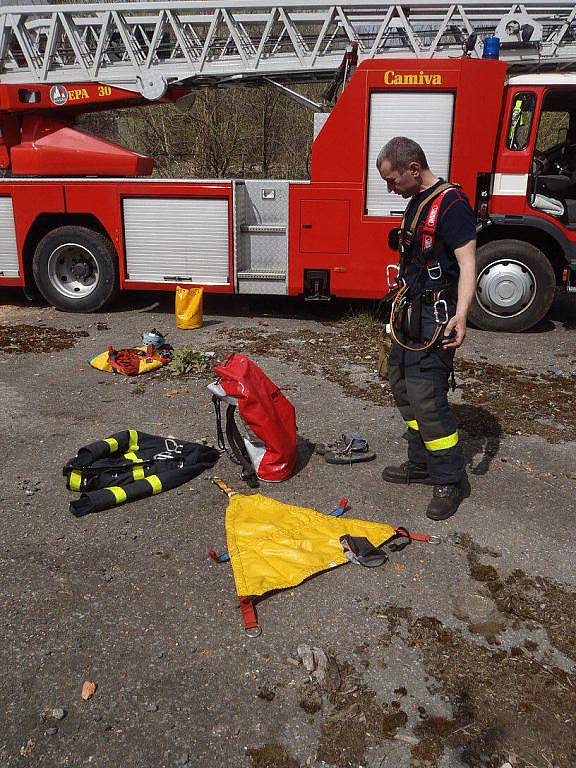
(81, 218)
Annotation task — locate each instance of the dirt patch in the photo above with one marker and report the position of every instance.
(526, 402)
(356, 721)
(538, 602)
(502, 703)
(20, 339)
(543, 602)
(271, 756)
(465, 541)
(498, 400)
(481, 572)
(342, 354)
(311, 699)
(267, 694)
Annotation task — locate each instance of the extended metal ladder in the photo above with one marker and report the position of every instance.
(148, 46)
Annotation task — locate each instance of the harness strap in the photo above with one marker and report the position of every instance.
(136, 354)
(425, 539)
(238, 448)
(398, 299)
(251, 626)
(340, 509)
(359, 550)
(237, 451)
(408, 232)
(412, 308)
(431, 223)
(219, 433)
(223, 558)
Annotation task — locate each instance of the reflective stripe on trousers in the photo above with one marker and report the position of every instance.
(419, 383)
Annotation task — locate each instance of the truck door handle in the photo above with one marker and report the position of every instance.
(306, 226)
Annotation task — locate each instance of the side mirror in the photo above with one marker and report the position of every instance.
(394, 239)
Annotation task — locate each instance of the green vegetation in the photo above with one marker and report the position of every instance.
(368, 320)
(239, 132)
(187, 362)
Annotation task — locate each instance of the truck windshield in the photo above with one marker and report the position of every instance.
(521, 121)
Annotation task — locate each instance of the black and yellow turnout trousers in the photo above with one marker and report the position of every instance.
(132, 465)
(419, 384)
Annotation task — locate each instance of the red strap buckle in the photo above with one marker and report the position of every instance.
(251, 627)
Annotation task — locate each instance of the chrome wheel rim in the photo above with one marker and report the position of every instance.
(505, 288)
(73, 271)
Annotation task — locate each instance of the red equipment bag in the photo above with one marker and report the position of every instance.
(268, 451)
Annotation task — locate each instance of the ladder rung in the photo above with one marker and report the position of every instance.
(263, 229)
(261, 275)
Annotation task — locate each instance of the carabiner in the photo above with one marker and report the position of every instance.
(441, 312)
(389, 269)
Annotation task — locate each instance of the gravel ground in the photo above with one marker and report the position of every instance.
(462, 654)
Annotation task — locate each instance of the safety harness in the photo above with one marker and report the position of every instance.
(407, 300)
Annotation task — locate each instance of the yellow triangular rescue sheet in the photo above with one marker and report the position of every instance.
(277, 546)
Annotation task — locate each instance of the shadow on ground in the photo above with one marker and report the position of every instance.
(483, 436)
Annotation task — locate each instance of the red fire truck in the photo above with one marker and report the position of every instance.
(80, 218)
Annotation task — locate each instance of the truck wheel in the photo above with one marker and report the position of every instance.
(75, 269)
(514, 288)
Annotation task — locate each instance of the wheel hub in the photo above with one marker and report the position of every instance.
(81, 269)
(505, 288)
(73, 270)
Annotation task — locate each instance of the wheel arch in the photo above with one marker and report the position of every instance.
(533, 286)
(556, 248)
(46, 223)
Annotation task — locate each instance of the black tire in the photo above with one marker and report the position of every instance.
(516, 272)
(75, 269)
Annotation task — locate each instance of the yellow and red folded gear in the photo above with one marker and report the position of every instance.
(129, 362)
(274, 546)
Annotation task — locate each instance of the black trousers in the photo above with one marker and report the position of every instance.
(419, 383)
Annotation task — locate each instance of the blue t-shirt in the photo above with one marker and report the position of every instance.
(456, 227)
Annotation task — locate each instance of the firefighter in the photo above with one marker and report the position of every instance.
(431, 299)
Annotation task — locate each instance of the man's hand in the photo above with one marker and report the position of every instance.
(454, 333)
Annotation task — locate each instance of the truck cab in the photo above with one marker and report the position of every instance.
(508, 141)
(528, 244)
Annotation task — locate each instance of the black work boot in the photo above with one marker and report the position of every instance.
(446, 499)
(407, 473)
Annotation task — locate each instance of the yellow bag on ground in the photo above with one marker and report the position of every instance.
(189, 307)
